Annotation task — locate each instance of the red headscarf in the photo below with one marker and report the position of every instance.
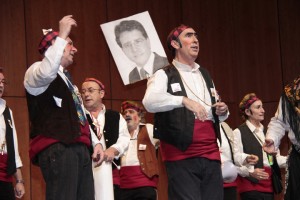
(102, 87)
(46, 41)
(173, 35)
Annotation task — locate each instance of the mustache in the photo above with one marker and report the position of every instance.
(127, 118)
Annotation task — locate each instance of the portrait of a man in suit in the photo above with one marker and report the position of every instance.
(133, 39)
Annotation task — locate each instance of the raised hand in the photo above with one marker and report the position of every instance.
(65, 26)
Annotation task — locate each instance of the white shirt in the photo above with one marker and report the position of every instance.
(3, 133)
(157, 99)
(40, 74)
(238, 149)
(277, 128)
(226, 152)
(130, 157)
(124, 137)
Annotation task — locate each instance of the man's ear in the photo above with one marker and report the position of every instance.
(175, 44)
(102, 93)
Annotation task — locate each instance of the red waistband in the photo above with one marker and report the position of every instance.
(204, 144)
(133, 177)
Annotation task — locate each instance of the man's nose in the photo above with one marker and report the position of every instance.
(74, 49)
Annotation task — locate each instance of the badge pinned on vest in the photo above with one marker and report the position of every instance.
(175, 87)
(142, 147)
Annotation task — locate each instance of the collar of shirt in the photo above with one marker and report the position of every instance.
(102, 112)
(253, 128)
(183, 67)
(136, 132)
(258, 132)
(62, 75)
(148, 67)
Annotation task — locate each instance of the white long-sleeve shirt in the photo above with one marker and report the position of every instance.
(130, 157)
(157, 99)
(124, 137)
(226, 151)
(240, 156)
(40, 74)
(3, 134)
(277, 129)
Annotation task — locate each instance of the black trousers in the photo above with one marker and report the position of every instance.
(7, 191)
(117, 192)
(255, 195)
(67, 170)
(230, 193)
(195, 179)
(142, 193)
(293, 188)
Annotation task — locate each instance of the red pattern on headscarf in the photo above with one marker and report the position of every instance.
(131, 104)
(173, 35)
(250, 102)
(96, 81)
(46, 41)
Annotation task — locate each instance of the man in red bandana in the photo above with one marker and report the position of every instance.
(255, 178)
(60, 134)
(287, 119)
(187, 115)
(139, 167)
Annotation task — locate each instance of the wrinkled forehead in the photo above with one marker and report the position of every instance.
(69, 40)
(1, 75)
(131, 110)
(90, 84)
(187, 32)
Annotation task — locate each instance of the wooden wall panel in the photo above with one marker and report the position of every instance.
(258, 49)
(12, 48)
(213, 20)
(248, 46)
(289, 17)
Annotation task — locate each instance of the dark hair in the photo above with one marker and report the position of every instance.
(128, 25)
(1, 70)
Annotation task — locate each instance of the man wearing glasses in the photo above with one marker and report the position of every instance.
(134, 42)
(111, 129)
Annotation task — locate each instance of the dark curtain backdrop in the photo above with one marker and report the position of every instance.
(248, 46)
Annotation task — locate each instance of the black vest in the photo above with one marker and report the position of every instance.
(176, 126)
(9, 137)
(251, 146)
(110, 130)
(50, 120)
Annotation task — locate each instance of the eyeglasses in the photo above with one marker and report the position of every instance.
(3, 81)
(136, 42)
(89, 90)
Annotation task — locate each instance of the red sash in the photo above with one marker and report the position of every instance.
(232, 184)
(244, 185)
(3, 168)
(41, 142)
(204, 144)
(133, 177)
